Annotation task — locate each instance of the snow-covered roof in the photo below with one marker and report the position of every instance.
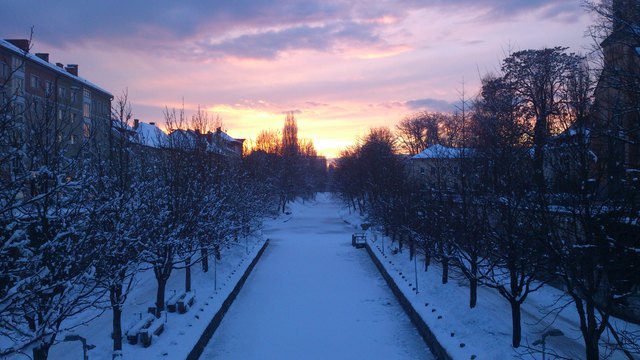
(151, 135)
(183, 138)
(50, 66)
(438, 151)
(225, 136)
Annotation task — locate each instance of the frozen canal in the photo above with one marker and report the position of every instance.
(313, 296)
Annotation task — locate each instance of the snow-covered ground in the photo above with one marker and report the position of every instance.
(485, 330)
(182, 331)
(313, 296)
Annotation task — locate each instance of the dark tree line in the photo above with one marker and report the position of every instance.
(80, 219)
(291, 166)
(511, 192)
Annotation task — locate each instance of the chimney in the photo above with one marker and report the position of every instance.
(43, 56)
(72, 69)
(136, 122)
(60, 65)
(22, 44)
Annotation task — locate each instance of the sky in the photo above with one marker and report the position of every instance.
(342, 66)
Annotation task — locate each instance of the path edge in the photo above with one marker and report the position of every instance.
(206, 335)
(427, 335)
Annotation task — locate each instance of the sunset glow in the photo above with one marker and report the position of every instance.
(341, 67)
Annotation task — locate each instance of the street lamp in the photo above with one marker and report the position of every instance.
(415, 268)
(215, 273)
(543, 340)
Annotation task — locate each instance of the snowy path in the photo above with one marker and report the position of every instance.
(313, 296)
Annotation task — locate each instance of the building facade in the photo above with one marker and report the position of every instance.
(616, 121)
(40, 94)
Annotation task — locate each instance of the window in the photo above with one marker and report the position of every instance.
(86, 130)
(62, 93)
(18, 86)
(48, 88)
(86, 110)
(18, 63)
(86, 93)
(72, 139)
(72, 117)
(4, 70)
(60, 114)
(74, 96)
(35, 82)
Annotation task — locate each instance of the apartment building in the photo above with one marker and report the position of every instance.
(42, 94)
(616, 121)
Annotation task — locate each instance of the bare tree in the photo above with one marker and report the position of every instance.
(538, 77)
(418, 131)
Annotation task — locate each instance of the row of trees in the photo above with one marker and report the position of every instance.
(290, 165)
(80, 220)
(517, 198)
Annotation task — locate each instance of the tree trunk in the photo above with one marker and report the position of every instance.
(41, 352)
(116, 307)
(591, 337)
(445, 269)
(187, 274)
(162, 284)
(473, 292)
(204, 253)
(473, 283)
(427, 260)
(592, 351)
(515, 322)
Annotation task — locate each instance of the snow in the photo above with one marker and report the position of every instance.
(151, 135)
(438, 151)
(226, 137)
(181, 332)
(313, 296)
(486, 330)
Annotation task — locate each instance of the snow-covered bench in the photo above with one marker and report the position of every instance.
(186, 302)
(134, 331)
(173, 301)
(358, 240)
(154, 329)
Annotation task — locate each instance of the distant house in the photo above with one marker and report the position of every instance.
(438, 166)
(225, 144)
(565, 158)
(218, 142)
(148, 134)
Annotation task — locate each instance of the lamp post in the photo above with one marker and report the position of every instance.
(415, 269)
(543, 340)
(215, 273)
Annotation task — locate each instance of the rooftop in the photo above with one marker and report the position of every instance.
(438, 151)
(32, 57)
